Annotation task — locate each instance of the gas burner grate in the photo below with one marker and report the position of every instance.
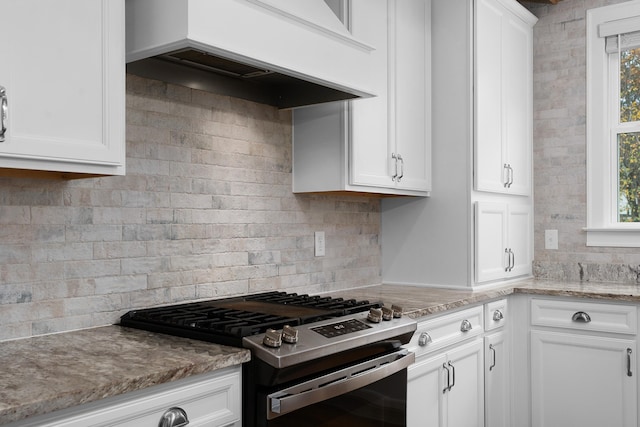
(228, 320)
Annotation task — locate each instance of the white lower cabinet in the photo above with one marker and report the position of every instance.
(496, 380)
(425, 395)
(447, 390)
(445, 385)
(582, 374)
(208, 400)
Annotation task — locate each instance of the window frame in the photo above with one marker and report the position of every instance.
(602, 228)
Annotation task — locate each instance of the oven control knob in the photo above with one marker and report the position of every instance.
(375, 315)
(289, 334)
(272, 338)
(397, 311)
(387, 313)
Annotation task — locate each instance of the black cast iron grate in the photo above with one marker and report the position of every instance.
(226, 321)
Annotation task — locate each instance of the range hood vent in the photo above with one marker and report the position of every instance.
(285, 53)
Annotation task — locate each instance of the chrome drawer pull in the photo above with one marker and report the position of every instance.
(497, 316)
(581, 316)
(174, 417)
(424, 339)
(465, 326)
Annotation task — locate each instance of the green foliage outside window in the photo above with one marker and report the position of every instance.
(629, 143)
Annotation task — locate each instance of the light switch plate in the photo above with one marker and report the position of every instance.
(551, 239)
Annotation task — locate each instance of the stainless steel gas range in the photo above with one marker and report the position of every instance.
(316, 360)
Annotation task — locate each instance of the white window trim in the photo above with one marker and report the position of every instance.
(602, 227)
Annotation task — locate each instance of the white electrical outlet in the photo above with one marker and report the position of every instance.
(551, 239)
(319, 243)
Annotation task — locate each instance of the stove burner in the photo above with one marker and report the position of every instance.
(227, 321)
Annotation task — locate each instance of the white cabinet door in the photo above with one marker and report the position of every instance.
(503, 243)
(465, 398)
(496, 380)
(503, 105)
(410, 91)
(491, 241)
(447, 389)
(490, 172)
(424, 392)
(518, 102)
(63, 70)
(390, 134)
(519, 222)
(580, 380)
(370, 149)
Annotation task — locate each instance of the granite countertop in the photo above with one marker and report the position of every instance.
(46, 373)
(418, 302)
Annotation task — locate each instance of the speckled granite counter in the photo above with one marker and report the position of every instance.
(43, 374)
(423, 301)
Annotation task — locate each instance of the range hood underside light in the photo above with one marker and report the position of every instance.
(199, 70)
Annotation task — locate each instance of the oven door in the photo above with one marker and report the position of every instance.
(372, 393)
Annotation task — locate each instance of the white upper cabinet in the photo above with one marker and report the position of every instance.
(64, 78)
(503, 108)
(481, 94)
(381, 144)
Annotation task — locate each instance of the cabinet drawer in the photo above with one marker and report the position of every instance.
(495, 314)
(583, 315)
(446, 330)
(208, 399)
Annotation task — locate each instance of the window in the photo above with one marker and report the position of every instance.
(613, 125)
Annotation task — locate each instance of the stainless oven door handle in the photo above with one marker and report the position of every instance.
(336, 383)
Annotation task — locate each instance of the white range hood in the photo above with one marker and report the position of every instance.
(286, 53)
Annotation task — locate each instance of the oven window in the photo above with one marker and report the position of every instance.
(380, 404)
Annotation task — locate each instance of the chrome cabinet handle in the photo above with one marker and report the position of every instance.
(629, 373)
(493, 353)
(401, 167)
(395, 162)
(505, 168)
(506, 251)
(4, 112)
(510, 176)
(497, 316)
(174, 417)
(581, 317)
(511, 259)
(448, 387)
(424, 339)
(465, 326)
(453, 375)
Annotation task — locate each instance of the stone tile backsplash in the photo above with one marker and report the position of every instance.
(205, 210)
(559, 144)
